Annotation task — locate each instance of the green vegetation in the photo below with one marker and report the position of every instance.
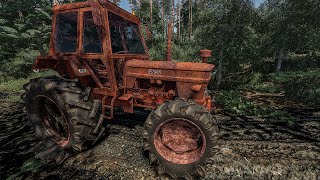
(301, 86)
(11, 89)
(28, 166)
(233, 103)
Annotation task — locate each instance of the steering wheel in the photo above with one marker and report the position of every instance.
(121, 52)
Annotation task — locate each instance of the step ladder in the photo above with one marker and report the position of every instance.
(107, 109)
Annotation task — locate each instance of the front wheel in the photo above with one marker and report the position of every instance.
(179, 137)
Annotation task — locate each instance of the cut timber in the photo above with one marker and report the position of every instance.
(252, 93)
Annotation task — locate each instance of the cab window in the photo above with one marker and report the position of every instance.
(125, 37)
(66, 32)
(92, 36)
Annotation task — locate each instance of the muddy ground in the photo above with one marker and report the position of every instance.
(249, 148)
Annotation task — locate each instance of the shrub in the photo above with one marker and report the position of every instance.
(20, 65)
(234, 103)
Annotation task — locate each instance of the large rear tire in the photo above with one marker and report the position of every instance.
(179, 136)
(63, 115)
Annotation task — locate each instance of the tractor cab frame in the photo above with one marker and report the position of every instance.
(91, 41)
(92, 33)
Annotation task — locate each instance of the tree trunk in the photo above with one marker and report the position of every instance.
(138, 3)
(162, 17)
(179, 20)
(150, 14)
(281, 57)
(189, 19)
(169, 42)
(55, 2)
(219, 73)
(172, 15)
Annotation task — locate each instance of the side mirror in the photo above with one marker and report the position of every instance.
(96, 14)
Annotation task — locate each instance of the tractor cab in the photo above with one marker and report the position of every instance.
(94, 38)
(120, 35)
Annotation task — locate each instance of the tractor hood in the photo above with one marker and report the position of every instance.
(170, 65)
(188, 72)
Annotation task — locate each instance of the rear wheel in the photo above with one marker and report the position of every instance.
(179, 137)
(63, 115)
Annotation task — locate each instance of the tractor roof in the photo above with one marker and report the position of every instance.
(105, 3)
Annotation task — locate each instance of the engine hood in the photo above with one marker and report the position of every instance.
(170, 65)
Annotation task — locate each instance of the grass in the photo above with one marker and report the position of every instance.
(298, 86)
(11, 89)
(233, 102)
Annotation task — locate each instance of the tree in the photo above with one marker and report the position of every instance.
(190, 18)
(150, 2)
(288, 27)
(25, 27)
(226, 28)
(179, 21)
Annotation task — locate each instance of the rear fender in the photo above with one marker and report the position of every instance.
(71, 66)
(47, 62)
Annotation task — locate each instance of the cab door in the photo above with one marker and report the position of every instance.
(93, 51)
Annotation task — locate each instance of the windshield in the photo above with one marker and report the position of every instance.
(125, 37)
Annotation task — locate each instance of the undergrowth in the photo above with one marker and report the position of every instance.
(300, 86)
(232, 102)
(10, 88)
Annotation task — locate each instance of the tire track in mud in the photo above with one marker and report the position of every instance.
(248, 148)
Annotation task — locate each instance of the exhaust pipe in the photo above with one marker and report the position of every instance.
(205, 54)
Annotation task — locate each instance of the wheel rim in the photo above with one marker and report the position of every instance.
(54, 122)
(179, 141)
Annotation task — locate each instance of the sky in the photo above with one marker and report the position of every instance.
(258, 2)
(125, 4)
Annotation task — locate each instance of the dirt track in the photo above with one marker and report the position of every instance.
(250, 148)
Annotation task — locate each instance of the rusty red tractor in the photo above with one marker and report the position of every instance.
(102, 59)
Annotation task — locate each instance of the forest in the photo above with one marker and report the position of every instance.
(267, 66)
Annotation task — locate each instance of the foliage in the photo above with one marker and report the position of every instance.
(302, 86)
(226, 29)
(289, 24)
(234, 103)
(25, 28)
(298, 62)
(180, 52)
(28, 166)
(19, 66)
(10, 87)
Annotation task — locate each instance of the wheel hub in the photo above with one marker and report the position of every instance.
(180, 141)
